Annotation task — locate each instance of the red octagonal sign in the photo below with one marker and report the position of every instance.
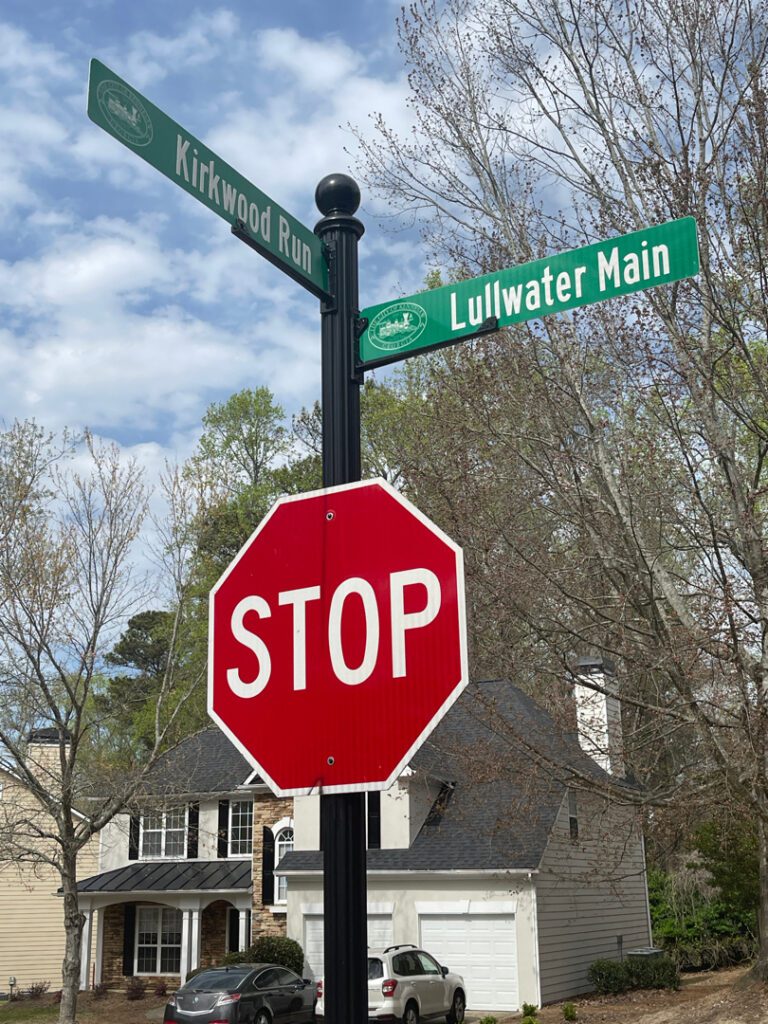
(337, 639)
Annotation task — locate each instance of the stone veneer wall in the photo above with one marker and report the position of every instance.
(112, 961)
(213, 944)
(267, 810)
(213, 933)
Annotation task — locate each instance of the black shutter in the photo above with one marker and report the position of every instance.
(223, 845)
(133, 838)
(233, 939)
(267, 867)
(129, 934)
(192, 830)
(374, 821)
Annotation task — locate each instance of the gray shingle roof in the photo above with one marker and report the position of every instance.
(171, 876)
(204, 763)
(502, 803)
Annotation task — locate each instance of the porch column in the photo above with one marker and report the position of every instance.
(194, 939)
(85, 950)
(242, 936)
(185, 968)
(100, 944)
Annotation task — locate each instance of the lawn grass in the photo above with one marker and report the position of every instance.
(28, 1011)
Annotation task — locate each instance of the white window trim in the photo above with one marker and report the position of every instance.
(163, 831)
(157, 973)
(230, 854)
(277, 828)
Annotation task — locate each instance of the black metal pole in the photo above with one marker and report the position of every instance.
(342, 816)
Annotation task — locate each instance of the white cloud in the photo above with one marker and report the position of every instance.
(150, 57)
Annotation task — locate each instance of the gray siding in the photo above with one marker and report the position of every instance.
(589, 892)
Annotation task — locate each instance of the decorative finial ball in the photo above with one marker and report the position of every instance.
(337, 193)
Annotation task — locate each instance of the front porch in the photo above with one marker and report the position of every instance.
(162, 920)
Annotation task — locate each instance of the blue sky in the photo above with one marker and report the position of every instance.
(127, 306)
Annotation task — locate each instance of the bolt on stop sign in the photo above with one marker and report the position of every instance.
(337, 639)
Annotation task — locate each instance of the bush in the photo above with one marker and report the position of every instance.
(488, 1020)
(610, 977)
(57, 995)
(529, 1009)
(569, 1011)
(659, 972)
(161, 987)
(528, 1019)
(37, 989)
(100, 990)
(271, 949)
(135, 988)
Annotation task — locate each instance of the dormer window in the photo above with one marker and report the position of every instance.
(163, 834)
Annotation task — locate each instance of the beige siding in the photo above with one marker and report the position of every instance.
(590, 891)
(31, 925)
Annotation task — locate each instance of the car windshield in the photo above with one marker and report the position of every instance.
(375, 968)
(216, 981)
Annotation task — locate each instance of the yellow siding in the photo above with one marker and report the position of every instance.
(31, 924)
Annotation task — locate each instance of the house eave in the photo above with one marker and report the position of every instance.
(421, 874)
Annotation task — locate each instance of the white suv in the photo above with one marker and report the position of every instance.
(407, 984)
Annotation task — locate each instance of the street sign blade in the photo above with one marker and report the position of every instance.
(604, 270)
(132, 119)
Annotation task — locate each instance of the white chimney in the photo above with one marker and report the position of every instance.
(598, 715)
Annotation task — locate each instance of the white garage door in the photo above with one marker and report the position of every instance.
(379, 934)
(480, 947)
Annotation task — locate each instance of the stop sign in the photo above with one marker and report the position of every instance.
(337, 639)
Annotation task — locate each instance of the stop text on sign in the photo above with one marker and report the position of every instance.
(340, 626)
(297, 602)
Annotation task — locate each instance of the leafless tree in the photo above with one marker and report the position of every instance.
(70, 519)
(620, 450)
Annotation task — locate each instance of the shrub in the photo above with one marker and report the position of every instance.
(100, 990)
(271, 949)
(528, 1019)
(529, 1010)
(57, 995)
(37, 989)
(659, 972)
(610, 977)
(488, 1020)
(135, 988)
(569, 1011)
(161, 987)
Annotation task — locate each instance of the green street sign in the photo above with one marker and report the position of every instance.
(255, 218)
(604, 270)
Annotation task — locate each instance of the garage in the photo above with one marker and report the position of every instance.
(482, 947)
(379, 934)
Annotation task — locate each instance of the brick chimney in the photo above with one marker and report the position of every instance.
(598, 715)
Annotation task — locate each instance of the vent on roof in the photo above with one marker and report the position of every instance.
(437, 810)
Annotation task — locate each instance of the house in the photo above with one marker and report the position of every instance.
(32, 918)
(502, 849)
(188, 876)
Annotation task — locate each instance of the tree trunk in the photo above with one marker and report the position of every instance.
(760, 967)
(73, 931)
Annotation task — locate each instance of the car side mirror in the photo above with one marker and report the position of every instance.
(444, 971)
